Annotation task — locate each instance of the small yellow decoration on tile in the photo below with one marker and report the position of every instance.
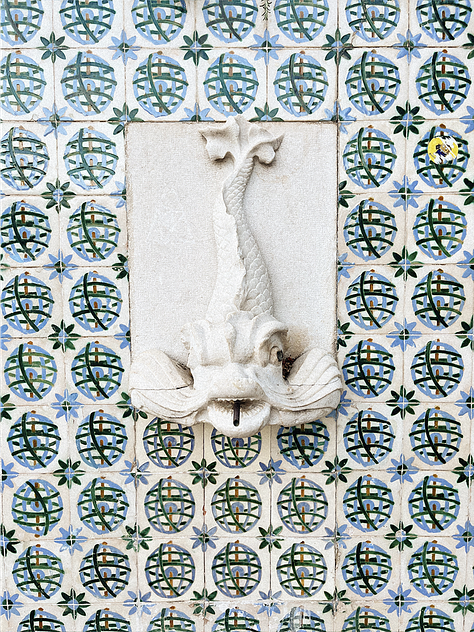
(442, 149)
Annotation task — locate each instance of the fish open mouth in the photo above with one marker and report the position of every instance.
(242, 417)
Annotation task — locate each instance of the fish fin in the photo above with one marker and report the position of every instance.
(161, 387)
(315, 389)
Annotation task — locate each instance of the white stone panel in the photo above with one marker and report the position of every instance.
(172, 186)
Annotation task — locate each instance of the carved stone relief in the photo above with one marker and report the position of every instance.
(240, 374)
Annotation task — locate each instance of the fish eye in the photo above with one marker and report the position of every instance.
(276, 355)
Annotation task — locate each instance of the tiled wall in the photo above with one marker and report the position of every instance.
(116, 522)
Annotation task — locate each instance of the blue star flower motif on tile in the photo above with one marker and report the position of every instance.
(270, 473)
(197, 115)
(399, 601)
(466, 403)
(123, 336)
(8, 474)
(204, 537)
(55, 121)
(70, 539)
(342, 407)
(266, 46)
(343, 267)
(138, 603)
(405, 193)
(409, 45)
(404, 335)
(67, 405)
(468, 120)
(120, 193)
(10, 605)
(402, 469)
(60, 266)
(4, 337)
(124, 47)
(135, 473)
(467, 265)
(465, 537)
(336, 536)
(340, 116)
(269, 603)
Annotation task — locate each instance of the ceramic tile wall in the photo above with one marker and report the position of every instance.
(113, 521)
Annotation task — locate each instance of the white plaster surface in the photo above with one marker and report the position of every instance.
(290, 206)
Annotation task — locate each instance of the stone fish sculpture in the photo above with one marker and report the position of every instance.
(234, 377)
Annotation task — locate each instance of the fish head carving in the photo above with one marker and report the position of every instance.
(235, 366)
(231, 362)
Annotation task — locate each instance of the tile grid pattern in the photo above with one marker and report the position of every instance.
(359, 521)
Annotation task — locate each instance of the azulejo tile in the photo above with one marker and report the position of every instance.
(438, 437)
(27, 89)
(354, 522)
(372, 158)
(167, 26)
(372, 26)
(373, 301)
(437, 228)
(26, 158)
(93, 231)
(29, 231)
(438, 368)
(372, 83)
(84, 26)
(443, 173)
(88, 82)
(371, 436)
(91, 158)
(231, 83)
(302, 24)
(441, 25)
(25, 25)
(230, 24)
(104, 440)
(301, 85)
(161, 85)
(368, 503)
(371, 229)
